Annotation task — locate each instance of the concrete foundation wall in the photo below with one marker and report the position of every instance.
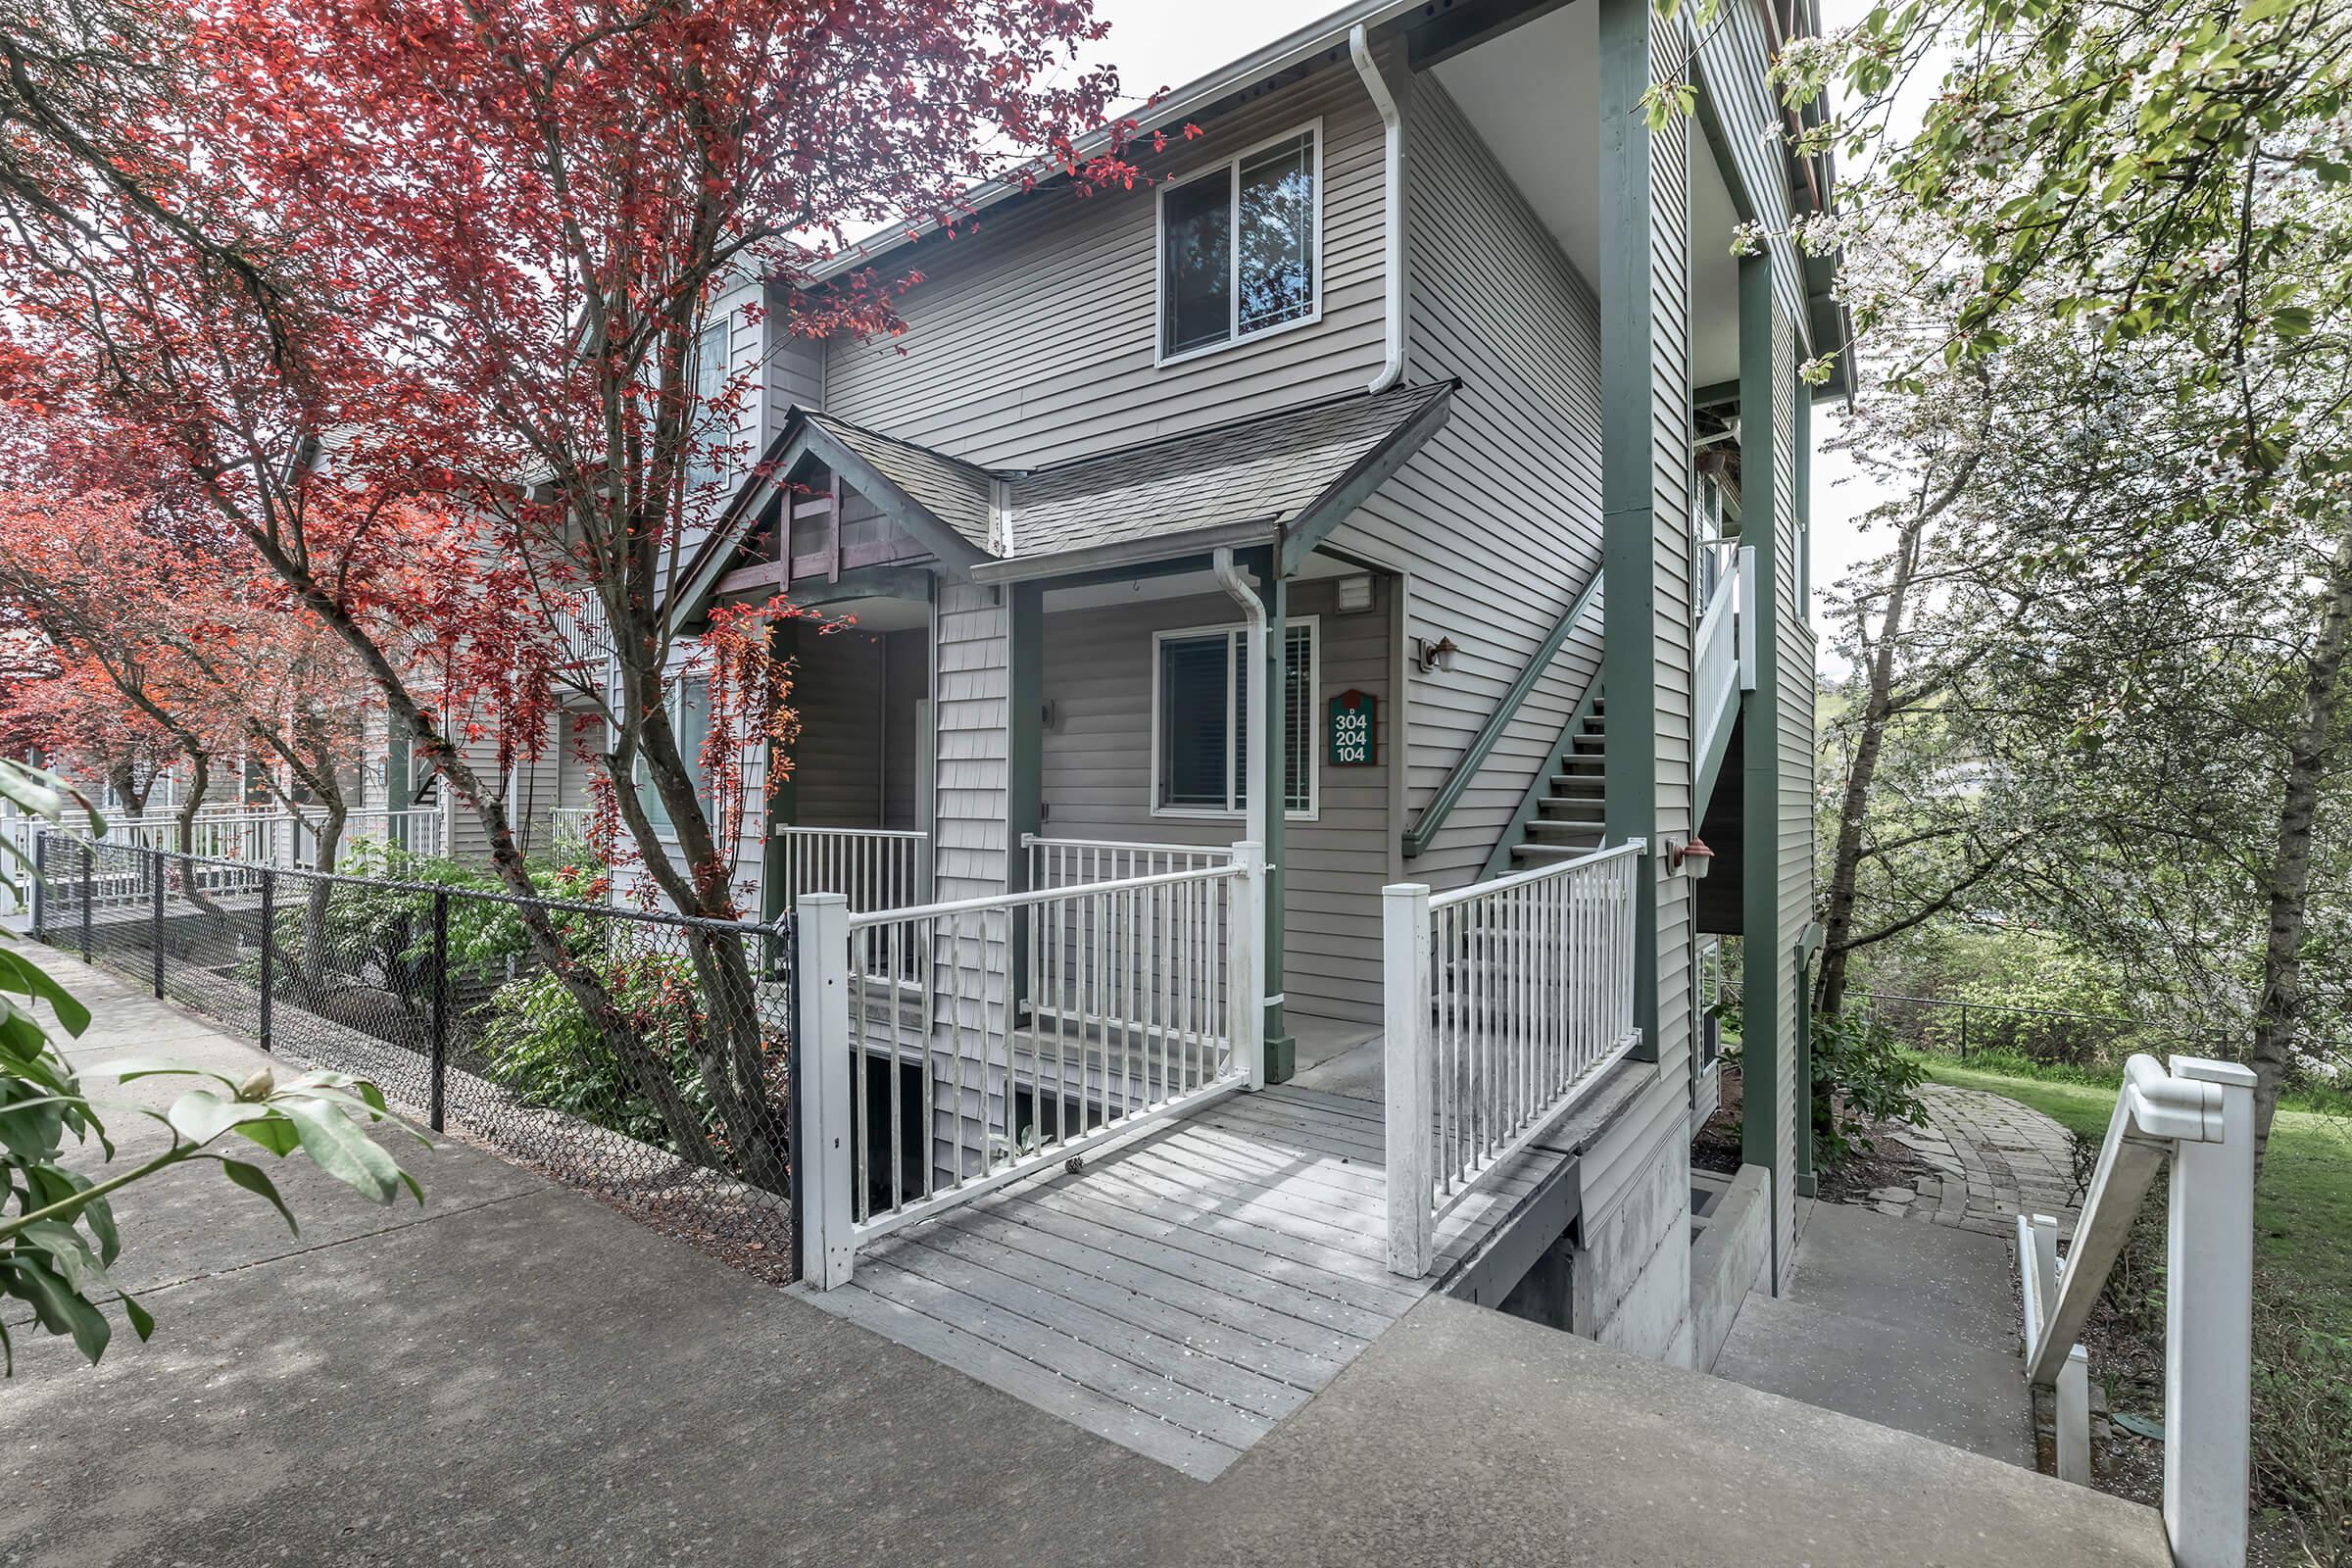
(1730, 1258)
(1633, 1259)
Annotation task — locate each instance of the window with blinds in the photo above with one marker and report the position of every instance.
(1201, 721)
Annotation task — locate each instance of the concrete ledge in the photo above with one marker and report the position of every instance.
(1729, 1260)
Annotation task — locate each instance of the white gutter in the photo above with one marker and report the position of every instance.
(1253, 614)
(1360, 49)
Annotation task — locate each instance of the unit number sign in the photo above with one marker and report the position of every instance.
(1351, 729)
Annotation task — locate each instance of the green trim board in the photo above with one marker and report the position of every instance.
(1760, 1030)
(1273, 733)
(1711, 766)
(1449, 794)
(1627, 285)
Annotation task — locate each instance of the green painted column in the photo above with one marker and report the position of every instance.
(1024, 751)
(1628, 481)
(1761, 949)
(1271, 732)
(783, 798)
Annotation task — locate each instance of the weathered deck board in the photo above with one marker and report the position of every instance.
(1185, 1292)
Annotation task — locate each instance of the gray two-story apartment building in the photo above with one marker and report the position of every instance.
(1409, 479)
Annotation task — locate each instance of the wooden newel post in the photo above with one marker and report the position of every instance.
(2208, 1332)
(822, 1090)
(1410, 1072)
(1246, 962)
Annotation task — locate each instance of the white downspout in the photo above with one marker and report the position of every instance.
(1360, 49)
(1253, 614)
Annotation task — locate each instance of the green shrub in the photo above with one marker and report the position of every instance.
(1860, 1078)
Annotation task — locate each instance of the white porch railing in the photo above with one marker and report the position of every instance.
(2200, 1114)
(278, 838)
(1716, 654)
(1068, 863)
(568, 824)
(1024, 1029)
(876, 869)
(1505, 1002)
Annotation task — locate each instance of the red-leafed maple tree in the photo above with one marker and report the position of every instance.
(409, 289)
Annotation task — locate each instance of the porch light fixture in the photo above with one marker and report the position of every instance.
(1354, 594)
(1692, 859)
(1433, 656)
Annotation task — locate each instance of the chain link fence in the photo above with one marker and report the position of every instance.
(644, 1059)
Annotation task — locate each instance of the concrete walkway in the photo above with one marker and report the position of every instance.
(517, 1375)
(1914, 1327)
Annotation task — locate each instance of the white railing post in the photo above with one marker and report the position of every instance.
(1245, 964)
(2209, 1328)
(2072, 1399)
(1409, 1073)
(827, 1245)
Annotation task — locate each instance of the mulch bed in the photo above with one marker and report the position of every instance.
(1716, 1147)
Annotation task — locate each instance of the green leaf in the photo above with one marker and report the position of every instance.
(253, 1179)
(128, 1068)
(143, 1321)
(276, 1135)
(200, 1115)
(59, 1310)
(340, 1148)
(17, 973)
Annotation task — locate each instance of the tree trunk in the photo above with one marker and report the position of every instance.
(1877, 710)
(2310, 761)
(200, 779)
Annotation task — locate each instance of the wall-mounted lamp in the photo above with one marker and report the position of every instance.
(1433, 656)
(1690, 857)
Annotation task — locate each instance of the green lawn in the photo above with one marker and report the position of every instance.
(2302, 1205)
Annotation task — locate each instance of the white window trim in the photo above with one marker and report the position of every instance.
(1236, 676)
(1232, 170)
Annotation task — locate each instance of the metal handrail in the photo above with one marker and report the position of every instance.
(1474, 758)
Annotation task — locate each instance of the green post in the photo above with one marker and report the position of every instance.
(1025, 744)
(1807, 1183)
(1762, 1033)
(783, 798)
(1272, 726)
(1628, 480)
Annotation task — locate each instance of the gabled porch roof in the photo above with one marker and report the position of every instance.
(1290, 476)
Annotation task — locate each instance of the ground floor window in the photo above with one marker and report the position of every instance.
(1201, 721)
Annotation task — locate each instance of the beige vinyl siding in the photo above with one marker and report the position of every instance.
(1670, 529)
(837, 762)
(1796, 719)
(1098, 777)
(907, 685)
(1033, 335)
(1498, 520)
(1732, 66)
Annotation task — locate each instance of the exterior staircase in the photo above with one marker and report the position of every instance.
(1571, 812)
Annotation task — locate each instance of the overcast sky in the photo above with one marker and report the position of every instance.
(1166, 43)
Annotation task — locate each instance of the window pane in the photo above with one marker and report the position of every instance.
(1277, 234)
(1299, 719)
(1196, 283)
(709, 380)
(1195, 676)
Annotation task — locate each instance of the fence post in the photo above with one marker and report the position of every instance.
(1409, 1071)
(440, 1009)
(269, 943)
(822, 1090)
(2209, 1327)
(1964, 1031)
(1245, 962)
(40, 880)
(155, 877)
(87, 856)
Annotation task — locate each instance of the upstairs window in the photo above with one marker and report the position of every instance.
(713, 431)
(1240, 247)
(1201, 731)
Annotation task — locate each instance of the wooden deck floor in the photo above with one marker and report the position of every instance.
(1187, 1292)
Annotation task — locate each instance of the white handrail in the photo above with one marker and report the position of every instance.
(1022, 1029)
(1055, 862)
(875, 868)
(1716, 658)
(1505, 1002)
(2200, 1115)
